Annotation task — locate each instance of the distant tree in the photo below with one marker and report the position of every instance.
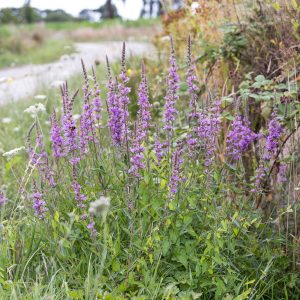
(108, 11)
(10, 15)
(85, 14)
(58, 15)
(29, 14)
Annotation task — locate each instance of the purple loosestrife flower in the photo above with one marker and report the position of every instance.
(115, 111)
(77, 191)
(281, 174)
(144, 105)
(259, 173)
(275, 131)
(2, 198)
(137, 151)
(172, 97)
(38, 202)
(240, 136)
(49, 174)
(191, 79)
(69, 127)
(43, 154)
(58, 144)
(91, 226)
(88, 119)
(97, 104)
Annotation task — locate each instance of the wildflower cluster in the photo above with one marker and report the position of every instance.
(133, 146)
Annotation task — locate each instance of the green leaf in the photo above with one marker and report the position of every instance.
(154, 156)
(14, 161)
(183, 86)
(182, 258)
(260, 78)
(231, 118)
(166, 247)
(276, 6)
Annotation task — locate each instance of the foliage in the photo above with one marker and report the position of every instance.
(183, 225)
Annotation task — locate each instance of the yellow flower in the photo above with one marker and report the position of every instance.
(9, 79)
(129, 71)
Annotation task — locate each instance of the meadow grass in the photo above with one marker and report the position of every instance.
(49, 51)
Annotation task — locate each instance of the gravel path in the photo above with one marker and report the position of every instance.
(26, 79)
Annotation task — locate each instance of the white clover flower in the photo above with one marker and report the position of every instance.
(100, 206)
(41, 97)
(6, 120)
(10, 154)
(35, 108)
(76, 117)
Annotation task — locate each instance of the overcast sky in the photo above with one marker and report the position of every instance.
(130, 10)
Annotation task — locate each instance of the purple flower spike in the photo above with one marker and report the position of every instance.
(144, 104)
(240, 136)
(115, 112)
(69, 127)
(191, 79)
(137, 151)
(275, 131)
(38, 202)
(97, 104)
(88, 120)
(43, 154)
(172, 97)
(58, 144)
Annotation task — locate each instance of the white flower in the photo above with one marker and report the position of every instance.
(100, 206)
(41, 97)
(47, 122)
(2, 79)
(6, 120)
(35, 108)
(76, 117)
(16, 129)
(10, 154)
(67, 47)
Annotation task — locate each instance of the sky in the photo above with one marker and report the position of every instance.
(130, 10)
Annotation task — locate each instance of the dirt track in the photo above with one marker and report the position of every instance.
(26, 79)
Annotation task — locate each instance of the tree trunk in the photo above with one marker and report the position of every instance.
(151, 8)
(109, 9)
